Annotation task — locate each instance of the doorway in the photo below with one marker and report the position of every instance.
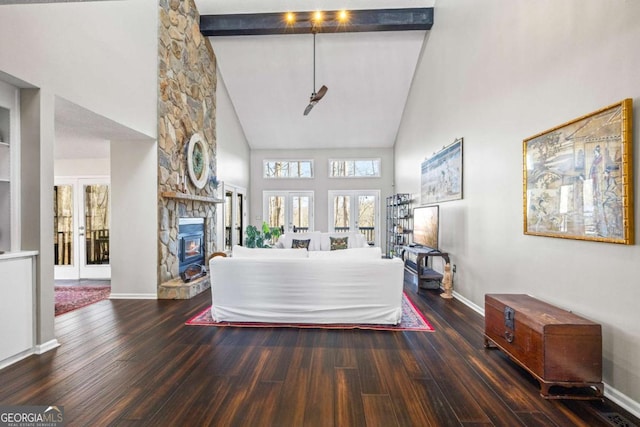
(234, 215)
(291, 211)
(356, 210)
(82, 217)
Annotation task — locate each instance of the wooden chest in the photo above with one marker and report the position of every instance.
(556, 346)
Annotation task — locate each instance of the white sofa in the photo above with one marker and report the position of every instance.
(321, 241)
(353, 286)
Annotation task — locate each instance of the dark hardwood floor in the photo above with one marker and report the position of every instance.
(134, 362)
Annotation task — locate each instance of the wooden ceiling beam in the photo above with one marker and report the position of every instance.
(358, 21)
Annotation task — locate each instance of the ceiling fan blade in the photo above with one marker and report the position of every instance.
(318, 96)
(315, 97)
(309, 107)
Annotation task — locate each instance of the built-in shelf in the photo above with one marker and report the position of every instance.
(193, 197)
(7, 196)
(5, 161)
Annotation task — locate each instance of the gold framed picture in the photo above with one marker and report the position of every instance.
(578, 178)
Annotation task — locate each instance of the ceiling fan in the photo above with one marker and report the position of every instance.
(315, 96)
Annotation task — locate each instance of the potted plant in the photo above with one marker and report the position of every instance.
(261, 238)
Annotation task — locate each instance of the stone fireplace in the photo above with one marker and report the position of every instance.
(186, 109)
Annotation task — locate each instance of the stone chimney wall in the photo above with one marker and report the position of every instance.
(186, 106)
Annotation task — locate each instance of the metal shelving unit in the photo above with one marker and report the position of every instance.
(399, 223)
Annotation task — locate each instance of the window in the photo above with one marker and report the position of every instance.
(356, 168)
(288, 169)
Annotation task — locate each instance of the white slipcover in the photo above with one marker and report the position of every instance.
(307, 290)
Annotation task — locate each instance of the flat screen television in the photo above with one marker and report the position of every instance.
(425, 226)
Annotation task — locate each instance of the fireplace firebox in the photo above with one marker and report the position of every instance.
(190, 242)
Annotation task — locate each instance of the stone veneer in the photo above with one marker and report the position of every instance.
(186, 106)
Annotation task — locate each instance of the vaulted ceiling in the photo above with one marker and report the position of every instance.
(270, 77)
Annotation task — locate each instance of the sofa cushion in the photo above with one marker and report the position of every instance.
(354, 253)
(338, 243)
(300, 244)
(242, 252)
(356, 240)
(287, 239)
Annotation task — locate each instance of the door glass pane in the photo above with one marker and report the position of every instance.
(342, 207)
(300, 212)
(63, 224)
(366, 217)
(276, 211)
(228, 220)
(238, 221)
(96, 217)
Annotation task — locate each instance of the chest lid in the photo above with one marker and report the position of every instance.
(538, 315)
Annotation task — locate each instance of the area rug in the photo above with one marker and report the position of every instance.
(412, 320)
(70, 298)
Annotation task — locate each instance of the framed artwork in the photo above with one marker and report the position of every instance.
(578, 178)
(441, 175)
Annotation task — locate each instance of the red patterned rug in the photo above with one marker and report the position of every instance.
(412, 320)
(69, 298)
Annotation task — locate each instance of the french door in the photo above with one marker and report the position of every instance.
(234, 216)
(288, 210)
(82, 217)
(356, 210)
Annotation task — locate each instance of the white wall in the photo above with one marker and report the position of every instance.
(134, 238)
(36, 194)
(499, 71)
(100, 55)
(82, 167)
(321, 183)
(232, 152)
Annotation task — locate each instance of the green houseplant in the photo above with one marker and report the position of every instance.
(261, 238)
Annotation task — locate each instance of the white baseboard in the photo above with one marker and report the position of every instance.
(47, 346)
(38, 349)
(469, 304)
(133, 296)
(15, 358)
(610, 393)
(622, 400)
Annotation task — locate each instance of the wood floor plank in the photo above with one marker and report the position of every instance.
(349, 407)
(319, 407)
(291, 406)
(135, 362)
(407, 407)
(378, 411)
(454, 387)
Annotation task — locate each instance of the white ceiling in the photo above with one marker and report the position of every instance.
(270, 78)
